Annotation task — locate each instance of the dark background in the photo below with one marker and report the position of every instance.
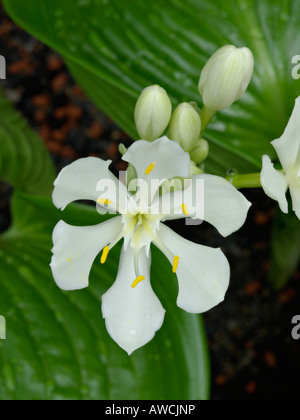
(252, 352)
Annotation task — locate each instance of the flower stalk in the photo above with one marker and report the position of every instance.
(245, 180)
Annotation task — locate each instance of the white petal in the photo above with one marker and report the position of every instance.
(170, 159)
(220, 204)
(224, 206)
(132, 315)
(75, 249)
(288, 145)
(274, 183)
(203, 273)
(88, 179)
(295, 193)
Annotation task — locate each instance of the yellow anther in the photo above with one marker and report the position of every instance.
(185, 209)
(175, 264)
(137, 281)
(104, 255)
(150, 168)
(69, 259)
(105, 201)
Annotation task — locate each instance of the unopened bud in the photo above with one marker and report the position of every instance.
(152, 113)
(200, 152)
(226, 76)
(194, 169)
(185, 126)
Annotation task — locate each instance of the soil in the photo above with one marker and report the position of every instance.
(252, 352)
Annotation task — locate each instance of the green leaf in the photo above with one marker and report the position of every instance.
(115, 49)
(24, 161)
(285, 247)
(57, 346)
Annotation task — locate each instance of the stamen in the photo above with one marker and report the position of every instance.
(150, 168)
(69, 259)
(136, 262)
(157, 241)
(185, 209)
(104, 255)
(105, 201)
(175, 264)
(137, 281)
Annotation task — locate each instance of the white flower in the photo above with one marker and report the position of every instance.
(152, 112)
(132, 311)
(226, 76)
(275, 183)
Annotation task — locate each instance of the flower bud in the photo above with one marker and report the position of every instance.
(226, 76)
(152, 113)
(195, 170)
(185, 126)
(200, 152)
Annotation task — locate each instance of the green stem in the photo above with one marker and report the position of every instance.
(245, 181)
(206, 117)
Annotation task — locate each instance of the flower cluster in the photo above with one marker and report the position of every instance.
(223, 81)
(169, 183)
(132, 311)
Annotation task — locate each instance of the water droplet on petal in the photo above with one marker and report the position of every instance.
(132, 332)
(232, 172)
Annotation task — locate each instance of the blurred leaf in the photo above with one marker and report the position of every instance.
(57, 346)
(285, 248)
(116, 48)
(24, 161)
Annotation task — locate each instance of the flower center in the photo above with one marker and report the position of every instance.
(140, 228)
